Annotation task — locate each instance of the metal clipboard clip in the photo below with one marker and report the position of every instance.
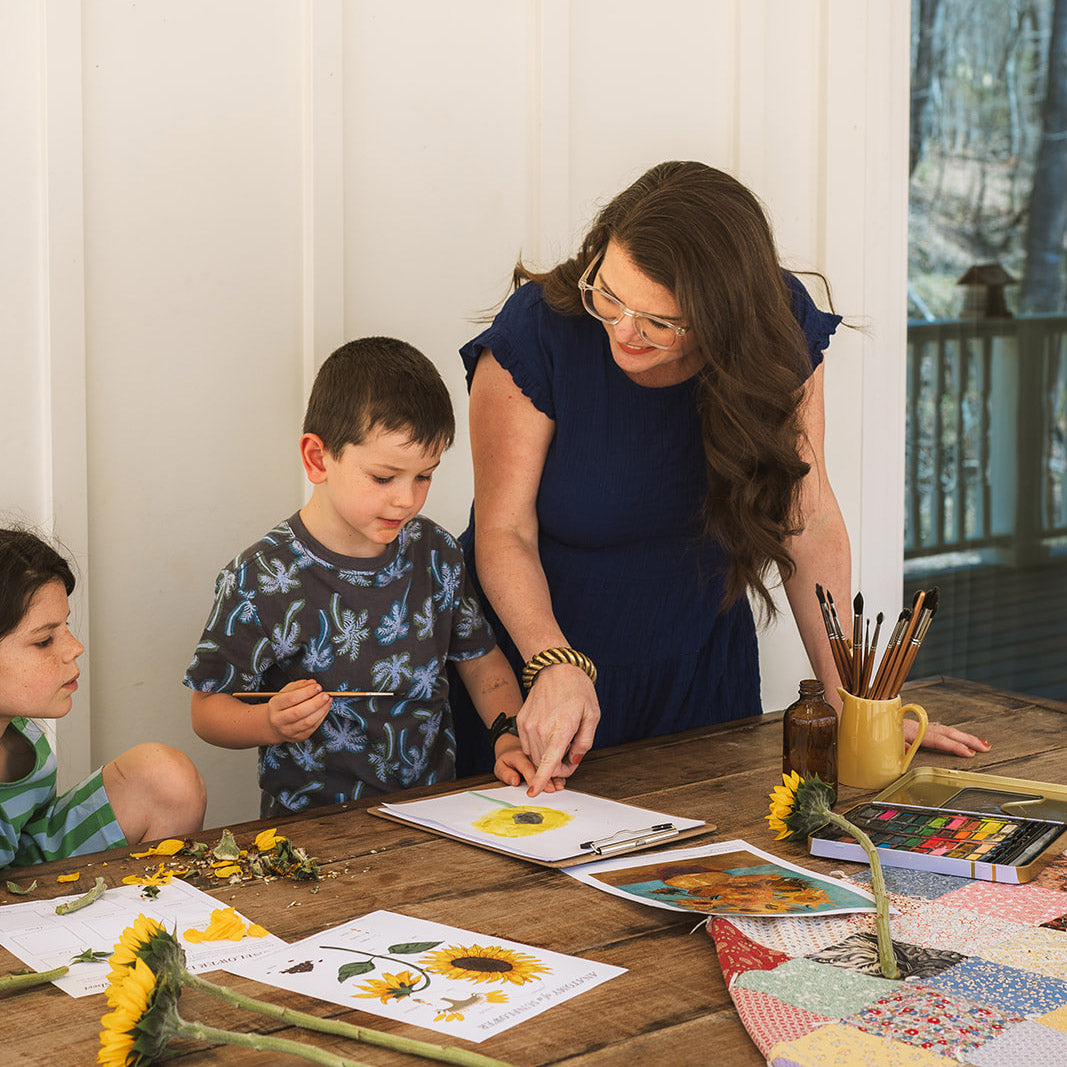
(616, 842)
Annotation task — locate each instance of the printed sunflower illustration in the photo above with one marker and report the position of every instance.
(391, 986)
(521, 820)
(475, 963)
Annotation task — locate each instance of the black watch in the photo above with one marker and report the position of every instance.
(502, 724)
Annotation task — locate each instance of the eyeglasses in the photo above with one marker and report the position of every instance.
(657, 332)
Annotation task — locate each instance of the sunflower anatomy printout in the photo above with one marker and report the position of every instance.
(724, 878)
(427, 974)
(43, 940)
(551, 828)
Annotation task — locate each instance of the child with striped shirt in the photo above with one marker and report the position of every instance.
(149, 792)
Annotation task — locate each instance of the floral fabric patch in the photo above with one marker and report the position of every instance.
(769, 1020)
(922, 885)
(933, 1020)
(1030, 1044)
(1007, 988)
(1036, 949)
(1027, 904)
(738, 954)
(796, 936)
(930, 924)
(845, 1046)
(860, 953)
(817, 987)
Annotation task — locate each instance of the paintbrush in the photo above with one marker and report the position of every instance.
(836, 638)
(887, 667)
(857, 641)
(911, 650)
(871, 654)
(347, 693)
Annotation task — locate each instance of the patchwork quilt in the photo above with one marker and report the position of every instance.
(983, 977)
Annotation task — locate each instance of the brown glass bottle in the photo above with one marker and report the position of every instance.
(809, 735)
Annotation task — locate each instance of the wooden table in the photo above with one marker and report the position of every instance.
(671, 1006)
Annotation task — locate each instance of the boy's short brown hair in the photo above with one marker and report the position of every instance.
(379, 382)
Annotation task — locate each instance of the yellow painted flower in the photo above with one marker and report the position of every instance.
(170, 847)
(476, 963)
(391, 986)
(225, 925)
(521, 820)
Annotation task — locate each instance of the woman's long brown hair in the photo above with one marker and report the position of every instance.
(701, 234)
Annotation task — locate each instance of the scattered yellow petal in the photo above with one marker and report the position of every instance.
(266, 840)
(227, 871)
(165, 848)
(225, 925)
(160, 876)
(69, 877)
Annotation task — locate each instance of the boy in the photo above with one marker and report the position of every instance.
(355, 592)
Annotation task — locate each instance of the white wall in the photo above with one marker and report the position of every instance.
(201, 199)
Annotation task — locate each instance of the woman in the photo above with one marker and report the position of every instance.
(647, 436)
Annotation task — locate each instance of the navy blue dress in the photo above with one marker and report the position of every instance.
(634, 584)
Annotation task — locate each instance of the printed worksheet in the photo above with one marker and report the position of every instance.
(43, 940)
(424, 973)
(552, 827)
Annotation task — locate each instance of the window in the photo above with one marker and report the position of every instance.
(986, 490)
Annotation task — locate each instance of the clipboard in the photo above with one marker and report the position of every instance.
(663, 830)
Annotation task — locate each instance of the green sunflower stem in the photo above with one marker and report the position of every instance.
(886, 956)
(441, 1053)
(13, 983)
(263, 1043)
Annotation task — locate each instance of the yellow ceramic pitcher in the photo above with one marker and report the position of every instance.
(870, 741)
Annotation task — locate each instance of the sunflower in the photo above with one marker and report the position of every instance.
(142, 1019)
(391, 987)
(475, 963)
(799, 806)
(521, 820)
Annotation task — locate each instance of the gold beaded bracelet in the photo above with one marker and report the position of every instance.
(556, 655)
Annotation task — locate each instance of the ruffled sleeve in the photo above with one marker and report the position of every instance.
(817, 325)
(520, 341)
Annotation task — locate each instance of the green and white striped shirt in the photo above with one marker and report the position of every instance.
(36, 825)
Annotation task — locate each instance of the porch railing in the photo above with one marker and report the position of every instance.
(986, 438)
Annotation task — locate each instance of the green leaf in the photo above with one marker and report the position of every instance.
(227, 848)
(89, 956)
(413, 947)
(350, 970)
(14, 887)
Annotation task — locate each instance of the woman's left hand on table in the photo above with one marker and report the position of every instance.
(943, 738)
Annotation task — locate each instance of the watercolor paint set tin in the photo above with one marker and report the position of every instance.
(957, 822)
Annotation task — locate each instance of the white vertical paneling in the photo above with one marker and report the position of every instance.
(879, 538)
(63, 346)
(200, 201)
(438, 184)
(193, 192)
(322, 180)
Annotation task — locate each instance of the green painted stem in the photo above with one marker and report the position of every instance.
(442, 1053)
(263, 1043)
(11, 983)
(886, 955)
